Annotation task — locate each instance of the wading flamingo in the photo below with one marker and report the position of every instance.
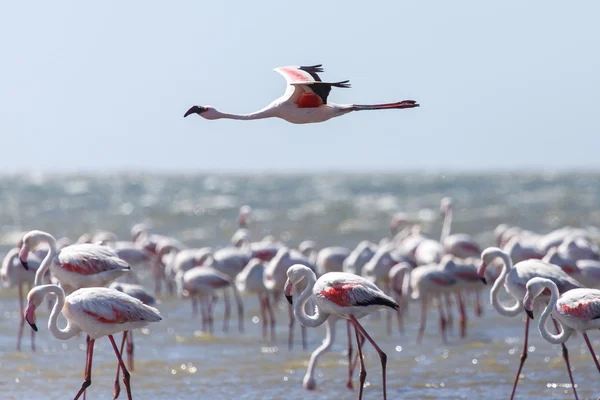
(13, 274)
(575, 310)
(304, 100)
(96, 311)
(515, 280)
(342, 295)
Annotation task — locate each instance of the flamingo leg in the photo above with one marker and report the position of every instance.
(363, 372)
(442, 320)
(523, 358)
(87, 352)
(478, 307)
(400, 313)
(209, 315)
(129, 350)
(382, 355)
(271, 317)
(126, 375)
(88, 369)
(116, 386)
(355, 362)
(423, 318)
(463, 315)
(565, 354)
(22, 322)
(589, 345)
(227, 314)
(240, 309)
(449, 317)
(194, 305)
(263, 314)
(350, 366)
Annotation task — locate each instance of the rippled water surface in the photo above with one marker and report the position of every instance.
(174, 360)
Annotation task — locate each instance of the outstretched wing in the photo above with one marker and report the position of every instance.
(304, 79)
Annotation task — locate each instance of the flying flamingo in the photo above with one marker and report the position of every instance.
(342, 295)
(13, 274)
(575, 310)
(515, 279)
(304, 101)
(96, 311)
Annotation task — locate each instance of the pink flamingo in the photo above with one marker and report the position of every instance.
(304, 101)
(251, 280)
(13, 274)
(431, 281)
(76, 266)
(201, 283)
(342, 295)
(515, 279)
(96, 311)
(575, 310)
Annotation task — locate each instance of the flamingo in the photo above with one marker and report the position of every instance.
(13, 274)
(358, 257)
(96, 311)
(342, 295)
(515, 279)
(201, 283)
(77, 266)
(304, 101)
(575, 310)
(251, 280)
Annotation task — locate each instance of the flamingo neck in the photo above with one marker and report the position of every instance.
(309, 380)
(265, 113)
(501, 309)
(447, 224)
(566, 332)
(51, 241)
(70, 330)
(317, 319)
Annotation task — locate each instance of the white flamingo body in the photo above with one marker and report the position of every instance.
(515, 280)
(342, 295)
(331, 259)
(358, 257)
(304, 101)
(96, 311)
(575, 310)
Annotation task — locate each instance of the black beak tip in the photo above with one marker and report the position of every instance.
(483, 280)
(289, 299)
(194, 110)
(530, 313)
(33, 326)
(24, 264)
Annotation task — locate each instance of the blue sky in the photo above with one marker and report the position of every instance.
(104, 85)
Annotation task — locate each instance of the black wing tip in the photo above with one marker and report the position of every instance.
(342, 84)
(380, 301)
(312, 68)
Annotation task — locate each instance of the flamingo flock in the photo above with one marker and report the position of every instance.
(99, 287)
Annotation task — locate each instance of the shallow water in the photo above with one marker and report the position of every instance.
(175, 361)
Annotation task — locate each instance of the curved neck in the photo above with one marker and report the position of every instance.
(318, 317)
(326, 345)
(446, 225)
(501, 309)
(565, 332)
(70, 330)
(49, 239)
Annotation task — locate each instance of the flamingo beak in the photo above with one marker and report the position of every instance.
(287, 291)
(194, 110)
(530, 313)
(23, 255)
(30, 316)
(481, 272)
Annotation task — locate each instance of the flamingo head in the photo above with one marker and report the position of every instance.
(296, 273)
(34, 299)
(206, 112)
(535, 287)
(29, 242)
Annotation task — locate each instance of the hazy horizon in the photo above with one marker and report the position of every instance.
(104, 86)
